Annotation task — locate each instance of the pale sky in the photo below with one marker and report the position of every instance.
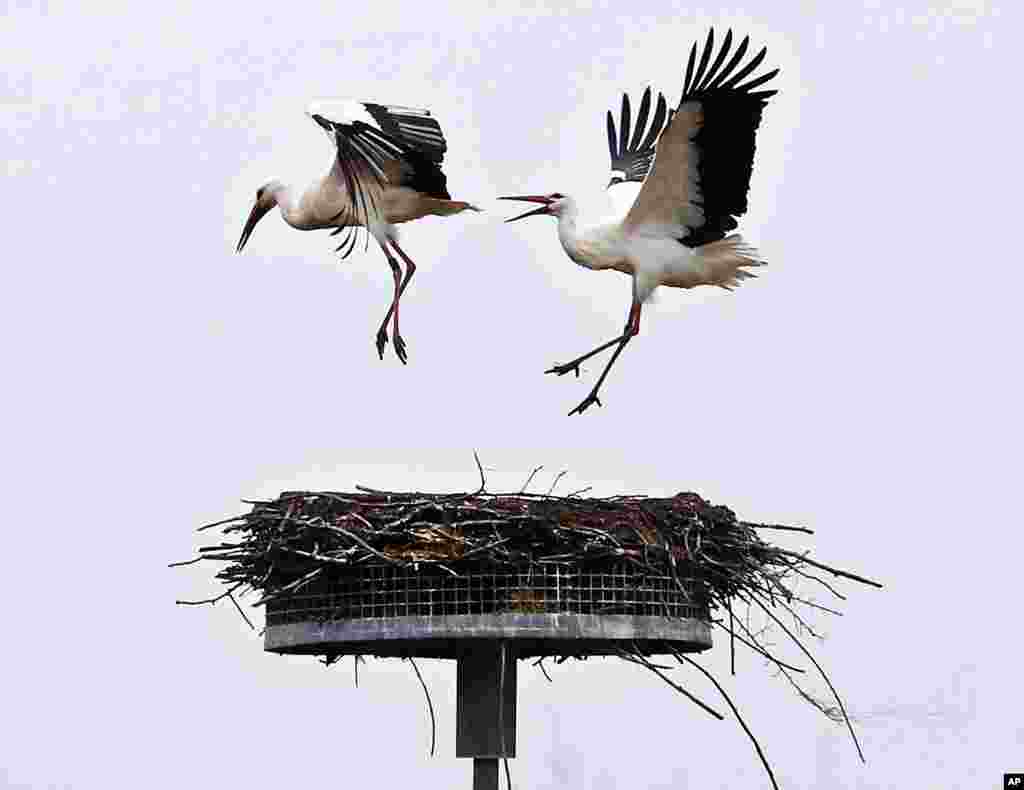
(862, 386)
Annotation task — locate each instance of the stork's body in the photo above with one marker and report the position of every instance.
(694, 164)
(387, 170)
(651, 260)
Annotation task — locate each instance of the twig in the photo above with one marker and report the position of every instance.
(830, 712)
(480, 468)
(835, 693)
(186, 562)
(638, 659)
(218, 523)
(755, 647)
(239, 608)
(214, 600)
(822, 582)
(554, 483)
(530, 479)
(780, 526)
(430, 706)
(764, 760)
(833, 571)
(814, 605)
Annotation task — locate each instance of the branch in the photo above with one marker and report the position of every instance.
(239, 608)
(430, 707)
(558, 477)
(638, 659)
(757, 648)
(833, 571)
(835, 693)
(214, 600)
(480, 468)
(530, 479)
(764, 760)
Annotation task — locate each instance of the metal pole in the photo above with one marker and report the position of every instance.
(485, 719)
(485, 773)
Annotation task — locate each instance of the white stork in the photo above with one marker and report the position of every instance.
(672, 229)
(387, 170)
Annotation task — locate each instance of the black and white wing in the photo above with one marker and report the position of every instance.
(701, 173)
(631, 148)
(386, 145)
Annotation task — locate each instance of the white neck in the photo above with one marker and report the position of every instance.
(286, 200)
(567, 232)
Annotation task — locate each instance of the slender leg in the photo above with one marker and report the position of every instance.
(632, 330)
(382, 333)
(410, 270)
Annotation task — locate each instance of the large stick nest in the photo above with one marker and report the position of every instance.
(284, 544)
(300, 538)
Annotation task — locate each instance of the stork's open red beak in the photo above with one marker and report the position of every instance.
(254, 216)
(531, 199)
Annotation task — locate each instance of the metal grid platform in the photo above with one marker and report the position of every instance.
(551, 610)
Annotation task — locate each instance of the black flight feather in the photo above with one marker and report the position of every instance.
(731, 113)
(632, 149)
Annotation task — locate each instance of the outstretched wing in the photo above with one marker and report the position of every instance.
(701, 173)
(631, 148)
(380, 145)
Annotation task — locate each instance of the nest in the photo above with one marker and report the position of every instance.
(284, 545)
(302, 539)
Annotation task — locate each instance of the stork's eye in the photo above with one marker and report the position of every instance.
(259, 193)
(557, 195)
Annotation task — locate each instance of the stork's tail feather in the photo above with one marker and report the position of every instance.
(727, 261)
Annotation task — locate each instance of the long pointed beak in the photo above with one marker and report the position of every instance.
(531, 199)
(254, 216)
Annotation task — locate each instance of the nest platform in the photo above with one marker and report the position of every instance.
(487, 579)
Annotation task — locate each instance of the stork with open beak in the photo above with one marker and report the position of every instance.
(386, 170)
(673, 220)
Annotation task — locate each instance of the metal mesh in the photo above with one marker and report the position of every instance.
(385, 592)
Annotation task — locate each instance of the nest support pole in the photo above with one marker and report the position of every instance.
(486, 707)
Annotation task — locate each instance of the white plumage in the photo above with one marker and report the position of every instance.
(678, 184)
(386, 170)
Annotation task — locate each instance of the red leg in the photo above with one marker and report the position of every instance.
(410, 270)
(631, 330)
(382, 333)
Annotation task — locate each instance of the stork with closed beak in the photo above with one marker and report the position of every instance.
(386, 170)
(672, 229)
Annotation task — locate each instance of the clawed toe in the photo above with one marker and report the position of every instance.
(400, 349)
(585, 404)
(561, 370)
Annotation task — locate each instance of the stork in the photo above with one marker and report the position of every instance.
(386, 170)
(673, 220)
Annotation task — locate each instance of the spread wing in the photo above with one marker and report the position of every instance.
(701, 173)
(631, 148)
(380, 145)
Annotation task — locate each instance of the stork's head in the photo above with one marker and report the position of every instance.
(555, 204)
(265, 201)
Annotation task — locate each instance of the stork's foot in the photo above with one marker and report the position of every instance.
(568, 367)
(400, 349)
(586, 403)
(382, 341)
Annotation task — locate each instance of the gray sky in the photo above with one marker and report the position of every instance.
(863, 385)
